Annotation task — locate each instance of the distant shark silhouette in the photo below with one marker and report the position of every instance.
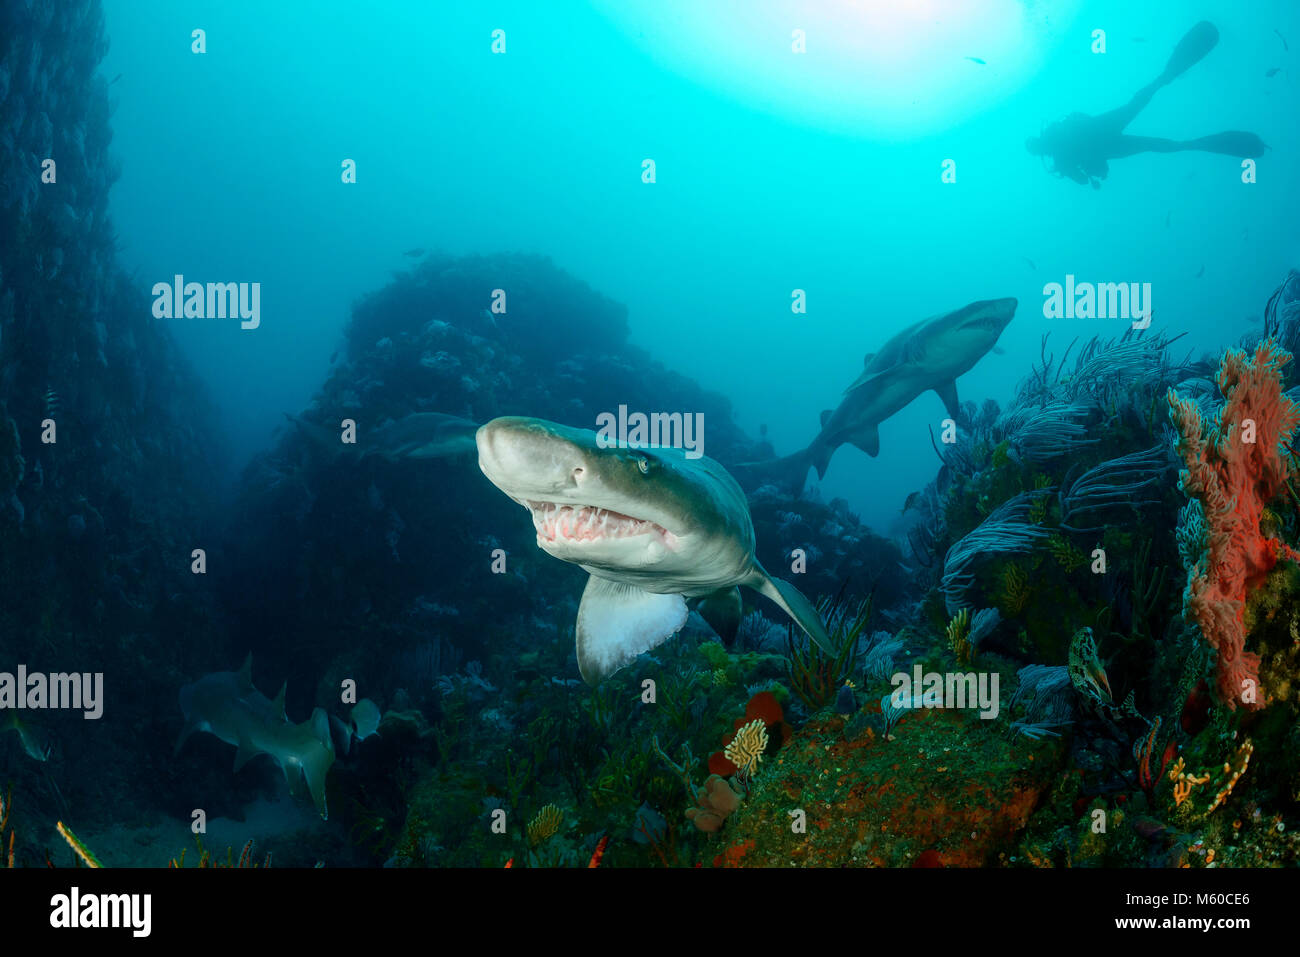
(653, 529)
(420, 435)
(928, 355)
(226, 704)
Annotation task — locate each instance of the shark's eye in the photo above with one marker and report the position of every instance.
(643, 464)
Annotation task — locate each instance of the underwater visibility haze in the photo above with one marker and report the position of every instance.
(631, 434)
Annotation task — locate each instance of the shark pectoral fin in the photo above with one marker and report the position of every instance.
(245, 753)
(617, 622)
(825, 416)
(947, 392)
(794, 604)
(722, 610)
(316, 761)
(868, 441)
(189, 729)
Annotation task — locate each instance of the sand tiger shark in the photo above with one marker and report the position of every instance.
(226, 704)
(930, 354)
(651, 527)
(420, 435)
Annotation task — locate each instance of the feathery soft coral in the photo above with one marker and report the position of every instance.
(1233, 472)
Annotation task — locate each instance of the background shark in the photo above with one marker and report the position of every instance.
(421, 435)
(928, 355)
(650, 526)
(226, 704)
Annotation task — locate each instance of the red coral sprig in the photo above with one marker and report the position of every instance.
(1235, 471)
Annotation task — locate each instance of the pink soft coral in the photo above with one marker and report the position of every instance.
(1233, 478)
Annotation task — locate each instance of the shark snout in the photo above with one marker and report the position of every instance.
(524, 457)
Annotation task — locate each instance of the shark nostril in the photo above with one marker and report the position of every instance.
(578, 474)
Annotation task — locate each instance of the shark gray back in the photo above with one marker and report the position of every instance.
(653, 529)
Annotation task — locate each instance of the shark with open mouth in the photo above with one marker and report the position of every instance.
(653, 529)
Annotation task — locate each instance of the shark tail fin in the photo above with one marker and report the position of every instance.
(316, 762)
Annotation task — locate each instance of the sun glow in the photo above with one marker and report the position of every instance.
(869, 66)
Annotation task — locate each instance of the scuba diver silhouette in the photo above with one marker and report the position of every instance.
(1080, 145)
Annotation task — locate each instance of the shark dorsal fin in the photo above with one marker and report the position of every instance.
(825, 417)
(866, 360)
(246, 673)
(278, 703)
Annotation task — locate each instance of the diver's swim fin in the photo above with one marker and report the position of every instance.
(1197, 42)
(1232, 143)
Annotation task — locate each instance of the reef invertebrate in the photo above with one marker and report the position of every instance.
(1007, 529)
(1234, 466)
(746, 749)
(958, 636)
(545, 825)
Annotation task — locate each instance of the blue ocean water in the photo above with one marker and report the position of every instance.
(758, 216)
(775, 171)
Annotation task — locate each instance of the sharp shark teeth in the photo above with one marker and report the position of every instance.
(587, 523)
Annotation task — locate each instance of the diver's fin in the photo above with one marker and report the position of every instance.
(245, 753)
(794, 604)
(617, 622)
(868, 441)
(246, 674)
(1197, 42)
(1231, 143)
(722, 611)
(316, 763)
(948, 393)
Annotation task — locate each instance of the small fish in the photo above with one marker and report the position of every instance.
(910, 502)
(975, 59)
(414, 252)
(1032, 264)
(1199, 273)
(1282, 38)
(1139, 39)
(1271, 72)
